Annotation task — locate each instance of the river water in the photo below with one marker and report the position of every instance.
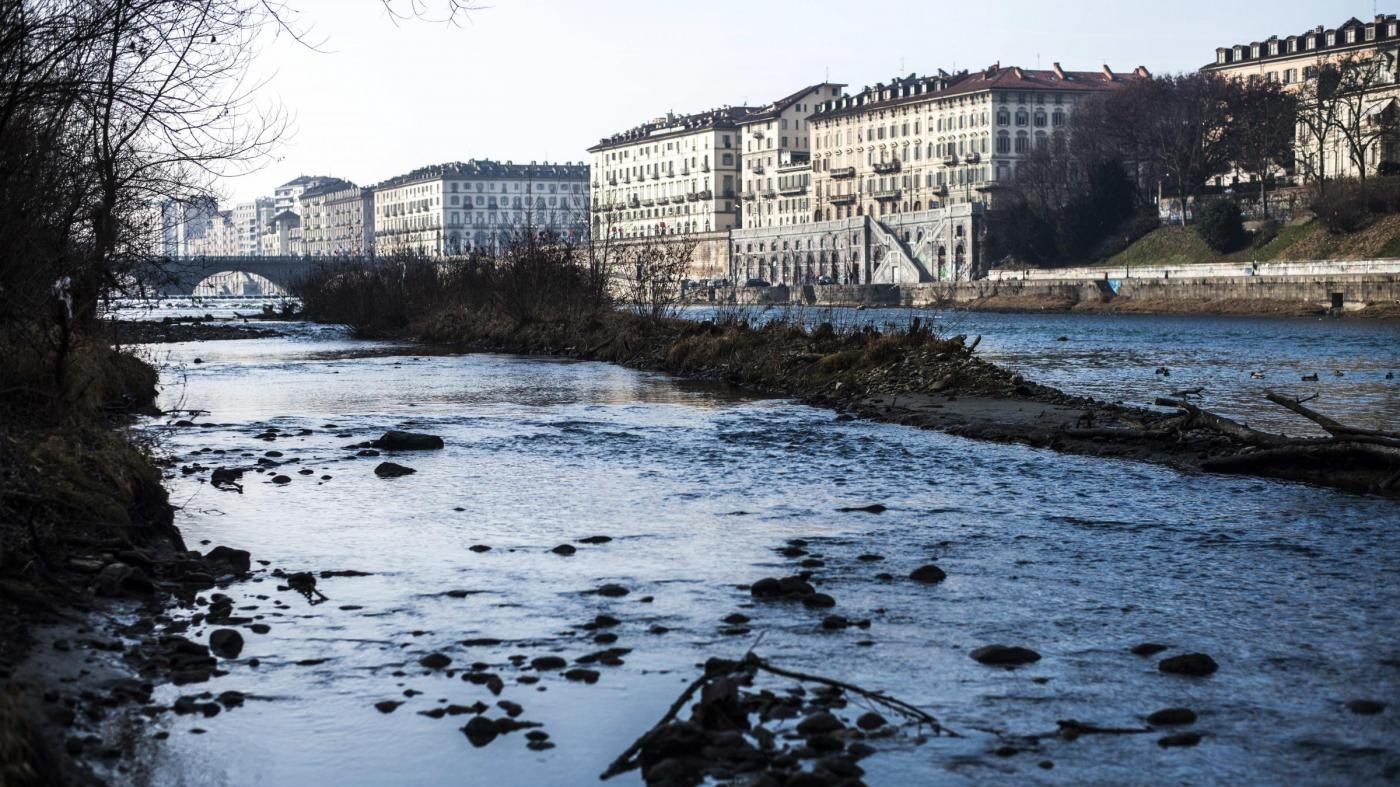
(1294, 590)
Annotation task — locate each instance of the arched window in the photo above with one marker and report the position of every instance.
(1003, 142)
(1057, 119)
(1003, 117)
(1039, 118)
(1023, 118)
(1023, 142)
(1042, 140)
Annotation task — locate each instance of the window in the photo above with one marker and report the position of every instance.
(1003, 117)
(1023, 142)
(1023, 118)
(1039, 119)
(1057, 119)
(1003, 142)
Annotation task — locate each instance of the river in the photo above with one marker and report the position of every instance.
(1294, 590)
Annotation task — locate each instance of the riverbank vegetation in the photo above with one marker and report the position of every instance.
(907, 373)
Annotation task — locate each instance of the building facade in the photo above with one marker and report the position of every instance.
(920, 143)
(1371, 115)
(287, 197)
(776, 184)
(674, 175)
(478, 205)
(337, 220)
(249, 219)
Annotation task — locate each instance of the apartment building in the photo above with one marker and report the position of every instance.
(1294, 61)
(287, 197)
(249, 219)
(282, 236)
(478, 205)
(677, 174)
(919, 143)
(337, 220)
(217, 238)
(777, 158)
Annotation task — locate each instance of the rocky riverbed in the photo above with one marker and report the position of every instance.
(590, 537)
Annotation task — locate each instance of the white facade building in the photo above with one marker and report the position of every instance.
(478, 205)
(673, 175)
(287, 197)
(776, 184)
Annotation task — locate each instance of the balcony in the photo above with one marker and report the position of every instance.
(950, 160)
(691, 197)
(634, 201)
(972, 158)
(647, 203)
(750, 195)
(886, 167)
(843, 172)
(678, 198)
(670, 173)
(656, 175)
(842, 199)
(704, 167)
(705, 195)
(885, 195)
(770, 194)
(758, 169)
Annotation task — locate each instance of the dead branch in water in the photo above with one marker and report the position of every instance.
(718, 670)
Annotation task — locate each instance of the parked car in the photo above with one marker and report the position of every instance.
(757, 283)
(823, 279)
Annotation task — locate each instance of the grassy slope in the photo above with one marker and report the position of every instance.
(1182, 246)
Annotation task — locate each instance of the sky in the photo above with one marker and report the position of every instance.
(542, 80)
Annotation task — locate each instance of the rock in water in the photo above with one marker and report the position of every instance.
(387, 706)
(1172, 716)
(480, 731)
(818, 723)
(392, 470)
(929, 574)
(1148, 648)
(1004, 655)
(226, 643)
(1193, 664)
(435, 660)
(1365, 707)
(564, 549)
(408, 441)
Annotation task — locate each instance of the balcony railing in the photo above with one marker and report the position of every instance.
(796, 189)
(705, 195)
(704, 167)
(692, 196)
(842, 199)
(972, 158)
(748, 195)
(758, 169)
(887, 194)
(843, 172)
(886, 167)
(678, 198)
(647, 203)
(950, 159)
(770, 194)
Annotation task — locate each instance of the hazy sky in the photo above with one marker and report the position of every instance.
(536, 80)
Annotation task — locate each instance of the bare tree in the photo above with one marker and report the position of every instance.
(1363, 116)
(655, 268)
(1261, 130)
(1318, 107)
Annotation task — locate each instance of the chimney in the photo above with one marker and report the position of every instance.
(1059, 72)
(1108, 73)
(1142, 72)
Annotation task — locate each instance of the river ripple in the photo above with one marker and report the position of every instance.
(1293, 589)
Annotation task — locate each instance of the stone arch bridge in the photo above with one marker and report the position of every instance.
(183, 274)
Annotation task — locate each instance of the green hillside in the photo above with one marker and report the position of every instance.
(1177, 245)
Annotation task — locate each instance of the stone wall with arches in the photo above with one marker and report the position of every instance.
(943, 244)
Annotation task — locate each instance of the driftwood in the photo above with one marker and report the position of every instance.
(1370, 458)
(719, 669)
